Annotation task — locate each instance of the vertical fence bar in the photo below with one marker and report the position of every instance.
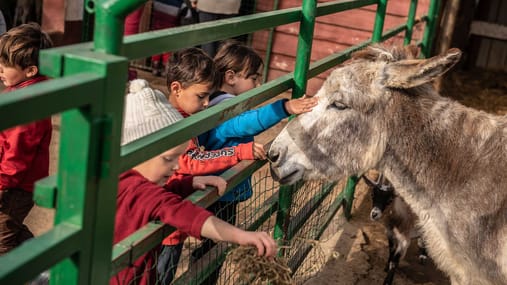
(87, 23)
(269, 49)
(303, 54)
(348, 195)
(75, 191)
(378, 28)
(429, 32)
(110, 16)
(410, 22)
(110, 137)
(304, 49)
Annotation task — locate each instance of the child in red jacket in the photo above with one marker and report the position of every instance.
(141, 197)
(24, 150)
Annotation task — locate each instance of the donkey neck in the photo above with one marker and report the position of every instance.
(447, 142)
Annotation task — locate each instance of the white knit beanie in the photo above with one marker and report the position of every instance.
(146, 111)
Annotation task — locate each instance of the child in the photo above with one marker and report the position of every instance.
(24, 150)
(141, 198)
(239, 67)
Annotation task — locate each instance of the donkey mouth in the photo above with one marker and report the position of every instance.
(286, 178)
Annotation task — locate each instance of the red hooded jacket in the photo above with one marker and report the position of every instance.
(140, 201)
(24, 150)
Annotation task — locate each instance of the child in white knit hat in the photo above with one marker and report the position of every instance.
(142, 198)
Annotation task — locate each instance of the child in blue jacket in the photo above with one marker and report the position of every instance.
(239, 67)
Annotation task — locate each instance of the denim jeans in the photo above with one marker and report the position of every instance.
(168, 263)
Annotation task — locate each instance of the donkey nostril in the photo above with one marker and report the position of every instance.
(273, 155)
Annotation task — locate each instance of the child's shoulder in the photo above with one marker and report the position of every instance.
(218, 97)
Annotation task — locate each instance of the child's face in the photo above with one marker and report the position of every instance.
(161, 167)
(242, 83)
(192, 99)
(12, 75)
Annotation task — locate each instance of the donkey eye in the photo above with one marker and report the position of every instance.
(339, 105)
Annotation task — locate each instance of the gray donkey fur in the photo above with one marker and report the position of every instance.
(447, 161)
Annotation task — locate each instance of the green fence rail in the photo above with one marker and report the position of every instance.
(88, 90)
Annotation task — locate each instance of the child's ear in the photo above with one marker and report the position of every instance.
(175, 88)
(31, 71)
(230, 77)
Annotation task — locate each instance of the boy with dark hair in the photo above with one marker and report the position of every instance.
(24, 150)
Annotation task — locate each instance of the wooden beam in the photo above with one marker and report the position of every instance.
(489, 30)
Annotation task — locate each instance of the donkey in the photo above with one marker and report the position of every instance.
(447, 161)
(399, 220)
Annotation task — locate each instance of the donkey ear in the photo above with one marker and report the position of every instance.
(414, 72)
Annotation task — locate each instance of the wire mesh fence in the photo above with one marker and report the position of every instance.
(206, 262)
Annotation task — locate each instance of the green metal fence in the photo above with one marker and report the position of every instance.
(88, 90)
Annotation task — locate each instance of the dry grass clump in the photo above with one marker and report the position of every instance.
(254, 269)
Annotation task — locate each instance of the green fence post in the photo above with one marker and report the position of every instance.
(378, 28)
(410, 22)
(87, 175)
(110, 16)
(348, 196)
(304, 50)
(429, 31)
(74, 200)
(269, 48)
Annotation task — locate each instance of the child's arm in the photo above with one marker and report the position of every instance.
(247, 124)
(180, 184)
(202, 162)
(254, 122)
(21, 146)
(198, 222)
(171, 209)
(218, 230)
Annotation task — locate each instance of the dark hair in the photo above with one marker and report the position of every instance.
(20, 45)
(192, 66)
(235, 56)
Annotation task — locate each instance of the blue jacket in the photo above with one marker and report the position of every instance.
(242, 129)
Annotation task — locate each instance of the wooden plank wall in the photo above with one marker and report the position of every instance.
(333, 33)
(490, 53)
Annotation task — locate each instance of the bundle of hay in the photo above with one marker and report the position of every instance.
(254, 269)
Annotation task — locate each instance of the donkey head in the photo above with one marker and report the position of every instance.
(348, 131)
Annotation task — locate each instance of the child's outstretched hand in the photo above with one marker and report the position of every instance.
(258, 151)
(200, 182)
(265, 244)
(300, 105)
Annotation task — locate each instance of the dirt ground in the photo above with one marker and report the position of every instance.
(357, 249)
